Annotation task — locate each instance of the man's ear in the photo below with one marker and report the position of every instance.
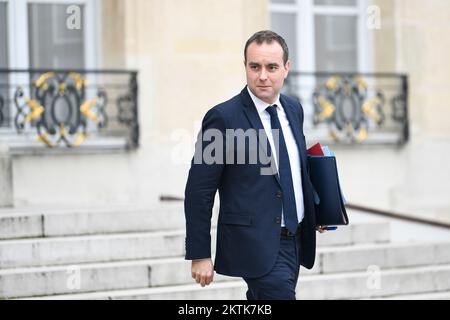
(287, 67)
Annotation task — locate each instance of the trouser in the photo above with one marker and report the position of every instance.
(280, 282)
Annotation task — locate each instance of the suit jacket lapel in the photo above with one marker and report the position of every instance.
(294, 122)
(254, 119)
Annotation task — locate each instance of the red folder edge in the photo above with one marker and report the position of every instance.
(316, 150)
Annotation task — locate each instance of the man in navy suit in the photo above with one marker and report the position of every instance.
(266, 224)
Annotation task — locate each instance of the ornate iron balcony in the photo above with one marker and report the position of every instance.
(57, 108)
(352, 108)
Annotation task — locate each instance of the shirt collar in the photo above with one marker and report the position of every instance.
(261, 105)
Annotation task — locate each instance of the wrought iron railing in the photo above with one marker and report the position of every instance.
(352, 108)
(71, 108)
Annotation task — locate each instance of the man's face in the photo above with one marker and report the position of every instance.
(265, 70)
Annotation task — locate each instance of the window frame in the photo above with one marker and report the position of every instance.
(305, 12)
(18, 39)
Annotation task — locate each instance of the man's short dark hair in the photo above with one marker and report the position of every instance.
(267, 36)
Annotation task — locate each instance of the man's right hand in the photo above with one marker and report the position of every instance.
(202, 271)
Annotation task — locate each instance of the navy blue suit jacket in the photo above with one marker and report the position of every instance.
(248, 230)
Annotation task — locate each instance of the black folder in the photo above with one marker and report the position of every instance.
(329, 202)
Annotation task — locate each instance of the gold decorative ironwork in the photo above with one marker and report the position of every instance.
(36, 110)
(66, 92)
(41, 81)
(327, 109)
(65, 110)
(343, 103)
(85, 109)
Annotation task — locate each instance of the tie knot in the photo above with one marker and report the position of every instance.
(272, 110)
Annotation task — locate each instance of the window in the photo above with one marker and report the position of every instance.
(336, 43)
(34, 35)
(39, 37)
(51, 43)
(323, 35)
(4, 110)
(3, 35)
(285, 23)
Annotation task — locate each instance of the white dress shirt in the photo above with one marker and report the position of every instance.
(292, 148)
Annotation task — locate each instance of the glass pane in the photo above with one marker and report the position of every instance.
(3, 35)
(336, 43)
(335, 2)
(52, 44)
(285, 25)
(283, 1)
(4, 109)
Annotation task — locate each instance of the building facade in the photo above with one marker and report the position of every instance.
(178, 58)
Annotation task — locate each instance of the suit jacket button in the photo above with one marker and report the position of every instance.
(279, 194)
(277, 220)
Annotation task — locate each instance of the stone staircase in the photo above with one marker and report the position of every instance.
(137, 253)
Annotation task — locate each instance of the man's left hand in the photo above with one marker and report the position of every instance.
(320, 229)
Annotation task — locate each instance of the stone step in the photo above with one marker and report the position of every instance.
(35, 223)
(20, 282)
(352, 285)
(145, 245)
(357, 285)
(445, 295)
(32, 223)
(93, 248)
(384, 256)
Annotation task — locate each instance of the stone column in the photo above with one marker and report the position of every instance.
(6, 181)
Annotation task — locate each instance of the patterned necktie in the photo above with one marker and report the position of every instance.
(284, 170)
